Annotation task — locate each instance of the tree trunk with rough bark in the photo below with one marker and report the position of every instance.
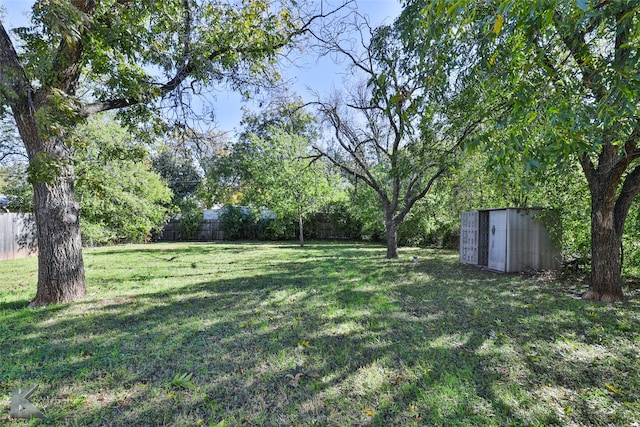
(606, 268)
(610, 204)
(391, 229)
(60, 264)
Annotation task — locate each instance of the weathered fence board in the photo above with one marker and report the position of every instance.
(17, 236)
(209, 231)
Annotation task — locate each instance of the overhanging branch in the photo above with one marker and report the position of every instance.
(189, 65)
(14, 84)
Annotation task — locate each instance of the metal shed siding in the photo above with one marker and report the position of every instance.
(469, 238)
(529, 244)
(521, 241)
(515, 240)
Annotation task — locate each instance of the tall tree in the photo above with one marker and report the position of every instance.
(397, 132)
(121, 198)
(568, 71)
(222, 182)
(179, 172)
(284, 174)
(124, 55)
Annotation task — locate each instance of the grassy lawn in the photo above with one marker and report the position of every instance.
(329, 335)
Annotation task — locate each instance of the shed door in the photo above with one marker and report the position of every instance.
(483, 238)
(498, 240)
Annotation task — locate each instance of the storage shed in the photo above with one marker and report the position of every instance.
(508, 240)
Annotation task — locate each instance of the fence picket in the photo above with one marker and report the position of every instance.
(17, 236)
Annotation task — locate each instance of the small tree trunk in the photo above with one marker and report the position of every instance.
(60, 264)
(606, 268)
(301, 223)
(392, 236)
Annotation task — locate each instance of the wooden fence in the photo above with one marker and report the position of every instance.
(210, 230)
(325, 231)
(17, 235)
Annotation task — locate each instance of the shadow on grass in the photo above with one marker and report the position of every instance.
(378, 342)
(14, 305)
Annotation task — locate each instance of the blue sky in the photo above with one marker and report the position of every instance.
(313, 74)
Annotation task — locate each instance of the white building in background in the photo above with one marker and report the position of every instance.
(216, 211)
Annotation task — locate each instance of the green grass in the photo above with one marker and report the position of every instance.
(216, 334)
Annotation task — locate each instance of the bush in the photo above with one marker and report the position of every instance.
(238, 222)
(121, 198)
(423, 227)
(275, 229)
(97, 234)
(365, 215)
(340, 218)
(123, 204)
(190, 219)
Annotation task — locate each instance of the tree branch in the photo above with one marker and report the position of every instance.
(8, 154)
(189, 65)
(630, 189)
(67, 60)
(631, 151)
(410, 202)
(14, 84)
(344, 167)
(15, 89)
(588, 168)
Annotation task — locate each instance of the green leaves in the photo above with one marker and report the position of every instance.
(281, 172)
(121, 199)
(556, 89)
(183, 381)
(60, 18)
(58, 114)
(583, 4)
(113, 51)
(46, 168)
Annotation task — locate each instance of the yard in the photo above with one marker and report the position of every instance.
(328, 335)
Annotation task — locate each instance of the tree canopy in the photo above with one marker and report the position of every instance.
(121, 198)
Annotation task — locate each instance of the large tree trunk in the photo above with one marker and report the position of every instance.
(60, 264)
(608, 216)
(392, 236)
(606, 268)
